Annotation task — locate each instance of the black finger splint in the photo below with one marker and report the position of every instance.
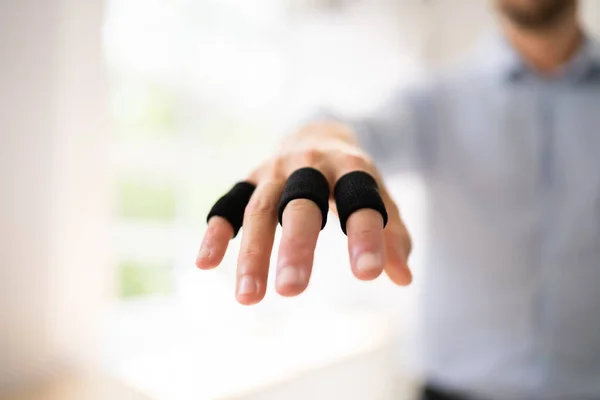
(306, 183)
(354, 191)
(232, 205)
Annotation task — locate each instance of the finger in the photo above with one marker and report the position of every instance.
(366, 245)
(214, 244)
(260, 221)
(396, 266)
(398, 244)
(364, 227)
(301, 225)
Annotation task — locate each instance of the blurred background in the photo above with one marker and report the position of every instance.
(122, 121)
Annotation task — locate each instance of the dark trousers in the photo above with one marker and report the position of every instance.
(432, 393)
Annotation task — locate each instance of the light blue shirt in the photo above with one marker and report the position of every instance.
(511, 162)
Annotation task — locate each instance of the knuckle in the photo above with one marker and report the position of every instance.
(273, 170)
(260, 206)
(295, 248)
(294, 242)
(310, 156)
(363, 232)
(252, 255)
(355, 162)
(278, 164)
(251, 251)
(300, 206)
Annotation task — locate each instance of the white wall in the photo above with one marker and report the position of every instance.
(590, 11)
(53, 202)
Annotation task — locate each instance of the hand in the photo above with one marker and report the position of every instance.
(372, 248)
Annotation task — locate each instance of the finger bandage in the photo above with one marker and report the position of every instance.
(232, 205)
(306, 183)
(354, 191)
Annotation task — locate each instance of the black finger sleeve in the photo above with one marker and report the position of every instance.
(355, 191)
(306, 183)
(232, 205)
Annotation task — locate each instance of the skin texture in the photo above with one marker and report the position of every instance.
(536, 14)
(330, 148)
(545, 32)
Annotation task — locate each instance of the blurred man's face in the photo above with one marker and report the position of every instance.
(535, 14)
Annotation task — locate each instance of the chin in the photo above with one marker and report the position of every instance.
(535, 13)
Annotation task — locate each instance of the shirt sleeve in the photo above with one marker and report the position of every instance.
(398, 134)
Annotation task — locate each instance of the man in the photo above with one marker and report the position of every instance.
(509, 148)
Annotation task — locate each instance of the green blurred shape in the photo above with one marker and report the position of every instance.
(139, 279)
(146, 201)
(143, 109)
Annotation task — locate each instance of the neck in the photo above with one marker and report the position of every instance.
(546, 50)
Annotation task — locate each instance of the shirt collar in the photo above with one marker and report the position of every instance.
(498, 56)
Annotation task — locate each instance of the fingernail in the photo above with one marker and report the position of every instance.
(247, 285)
(368, 262)
(290, 276)
(204, 252)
